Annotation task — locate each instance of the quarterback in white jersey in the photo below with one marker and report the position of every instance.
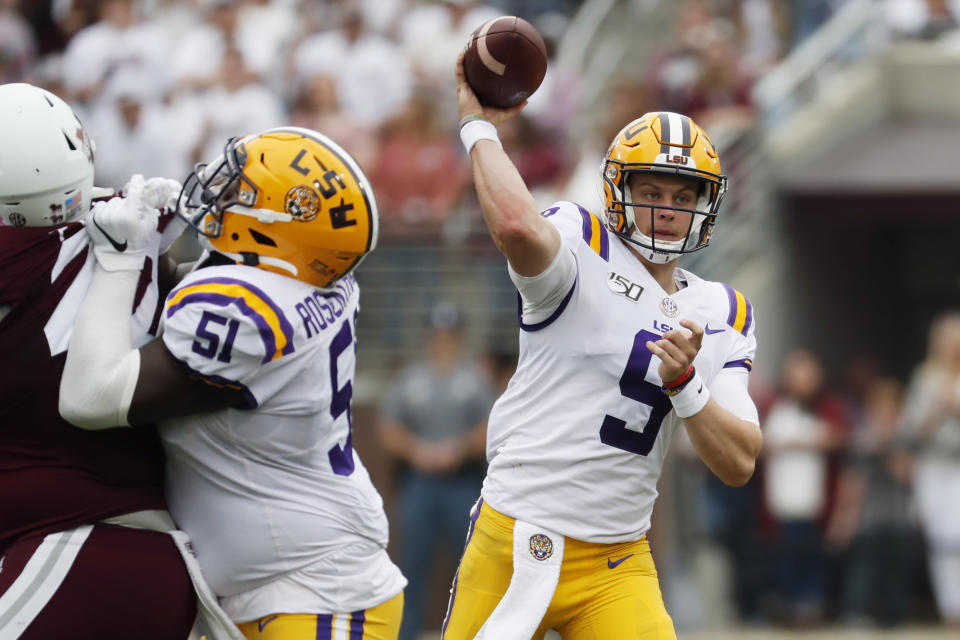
(618, 348)
(251, 383)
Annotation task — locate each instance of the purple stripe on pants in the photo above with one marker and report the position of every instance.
(453, 592)
(325, 626)
(357, 618)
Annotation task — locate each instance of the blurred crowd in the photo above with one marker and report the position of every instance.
(851, 517)
(161, 83)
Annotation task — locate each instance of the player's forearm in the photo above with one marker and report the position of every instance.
(727, 445)
(529, 242)
(102, 366)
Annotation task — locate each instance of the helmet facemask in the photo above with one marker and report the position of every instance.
(699, 228)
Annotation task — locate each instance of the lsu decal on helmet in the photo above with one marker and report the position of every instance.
(287, 200)
(667, 144)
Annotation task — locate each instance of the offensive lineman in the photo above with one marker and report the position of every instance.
(252, 382)
(618, 347)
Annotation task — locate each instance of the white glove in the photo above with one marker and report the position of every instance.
(163, 194)
(159, 193)
(121, 229)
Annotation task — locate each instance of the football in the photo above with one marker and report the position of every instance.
(505, 61)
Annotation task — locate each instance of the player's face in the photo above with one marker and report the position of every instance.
(656, 193)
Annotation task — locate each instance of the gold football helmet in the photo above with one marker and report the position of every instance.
(288, 200)
(670, 144)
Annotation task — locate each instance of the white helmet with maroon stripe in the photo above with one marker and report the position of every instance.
(46, 159)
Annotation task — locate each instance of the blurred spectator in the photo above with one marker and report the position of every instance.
(559, 99)
(132, 132)
(237, 105)
(434, 424)
(932, 423)
(420, 172)
(540, 155)
(763, 26)
(117, 40)
(501, 364)
(196, 61)
(266, 31)
(317, 107)
(719, 97)
(432, 34)
(798, 436)
(873, 515)
(17, 46)
(373, 77)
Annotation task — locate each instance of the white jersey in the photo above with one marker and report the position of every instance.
(277, 492)
(577, 441)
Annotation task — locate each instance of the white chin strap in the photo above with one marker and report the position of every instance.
(656, 257)
(269, 260)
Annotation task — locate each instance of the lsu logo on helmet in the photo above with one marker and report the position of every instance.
(287, 200)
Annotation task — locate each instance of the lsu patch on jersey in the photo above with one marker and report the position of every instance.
(577, 441)
(267, 492)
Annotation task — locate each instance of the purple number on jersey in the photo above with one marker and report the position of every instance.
(212, 339)
(634, 385)
(341, 459)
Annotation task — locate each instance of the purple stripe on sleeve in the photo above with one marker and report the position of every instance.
(604, 243)
(553, 316)
(285, 325)
(732, 296)
(746, 363)
(324, 626)
(221, 300)
(453, 592)
(357, 618)
(749, 320)
(587, 224)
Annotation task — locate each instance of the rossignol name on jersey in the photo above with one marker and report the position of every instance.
(320, 309)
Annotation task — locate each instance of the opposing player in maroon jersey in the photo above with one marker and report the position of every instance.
(78, 557)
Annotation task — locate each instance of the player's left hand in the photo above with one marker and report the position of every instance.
(677, 349)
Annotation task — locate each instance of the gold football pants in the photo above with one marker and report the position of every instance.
(378, 623)
(605, 591)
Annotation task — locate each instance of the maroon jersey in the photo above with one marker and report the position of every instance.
(53, 475)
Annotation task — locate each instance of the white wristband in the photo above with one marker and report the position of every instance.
(692, 398)
(473, 131)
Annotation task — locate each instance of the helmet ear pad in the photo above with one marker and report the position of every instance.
(49, 180)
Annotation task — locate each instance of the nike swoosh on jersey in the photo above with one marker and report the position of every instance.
(264, 622)
(710, 331)
(611, 564)
(116, 245)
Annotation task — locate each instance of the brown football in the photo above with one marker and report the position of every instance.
(505, 61)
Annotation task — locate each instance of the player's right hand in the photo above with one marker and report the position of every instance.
(469, 105)
(121, 228)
